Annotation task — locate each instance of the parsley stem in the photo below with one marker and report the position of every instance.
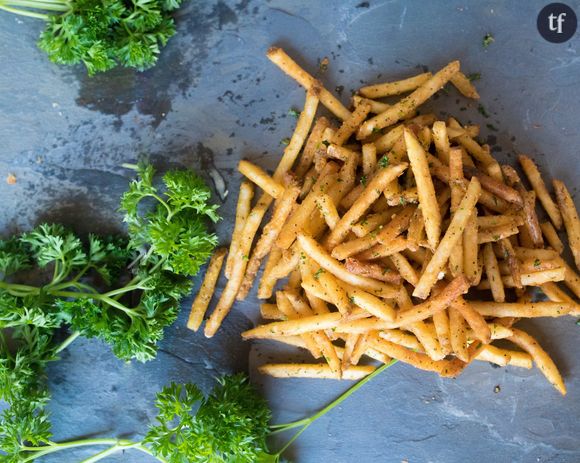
(100, 297)
(20, 288)
(305, 423)
(30, 14)
(125, 289)
(116, 445)
(42, 5)
(119, 447)
(67, 342)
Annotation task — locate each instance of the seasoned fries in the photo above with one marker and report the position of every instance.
(389, 205)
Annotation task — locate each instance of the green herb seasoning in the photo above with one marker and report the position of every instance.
(487, 40)
(384, 161)
(481, 110)
(294, 113)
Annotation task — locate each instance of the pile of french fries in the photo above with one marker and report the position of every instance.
(381, 225)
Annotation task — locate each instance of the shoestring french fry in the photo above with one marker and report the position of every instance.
(540, 357)
(531, 222)
(450, 239)
(501, 190)
(535, 178)
(328, 210)
(368, 196)
(410, 103)
(493, 274)
(458, 330)
(290, 67)
(455, 183)
(282, 209)
(369, 158)
(258, 176)
(372, 221)
(395, 88)
(425, 188)
(473, 318)
(313, 370)
(570, 218)
(201, 302)
(397, 225)
(230, 292)
(242, 210)
(350, 125)
(376, 106)
(462, 83)
(300, 215)
(552, 237)
(389, 204)
(524, 310)
(268, 280)
(572, 280)
(398, 244)
(441, 324)
(271, 312)
(556, 294)
(435, 303)
(441, 140)
(372, 270)
(312, 144)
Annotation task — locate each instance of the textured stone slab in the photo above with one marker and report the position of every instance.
(214, 98)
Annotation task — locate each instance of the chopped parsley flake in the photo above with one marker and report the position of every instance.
(319, 272)
(487, 40)
(481, 110)
(384, 161)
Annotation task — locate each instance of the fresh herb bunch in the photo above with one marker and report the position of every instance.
(101, 34)
(228, 426)
(124, 291)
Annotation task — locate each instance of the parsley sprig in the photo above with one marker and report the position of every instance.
(229, 425)
(124, 291)
(101, 34)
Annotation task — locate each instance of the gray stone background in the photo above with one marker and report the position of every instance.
(215, 98)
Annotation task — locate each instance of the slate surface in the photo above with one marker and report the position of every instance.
(213, 99)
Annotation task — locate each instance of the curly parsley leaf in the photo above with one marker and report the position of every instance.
(231, 424)
(102, 34)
